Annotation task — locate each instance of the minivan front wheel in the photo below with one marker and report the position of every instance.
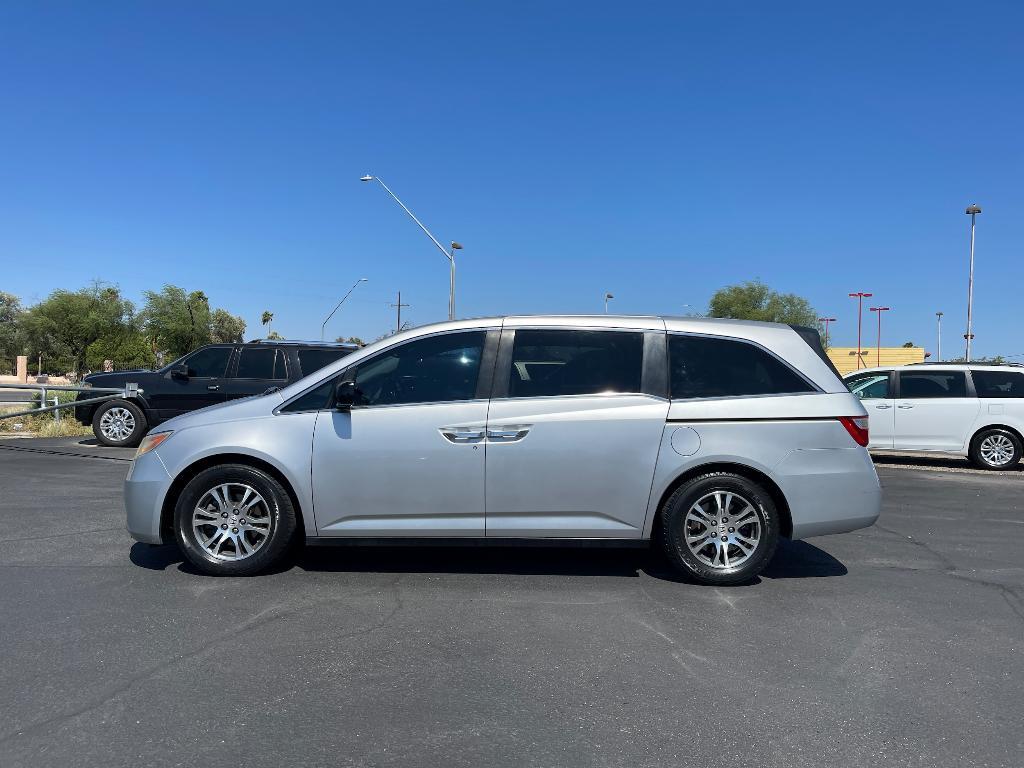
(234, 520)
(720, 528)
(995, 448)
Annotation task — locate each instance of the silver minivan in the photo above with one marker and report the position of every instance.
(709, 438)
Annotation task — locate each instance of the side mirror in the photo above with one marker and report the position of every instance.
(179, 372)
(345, 395)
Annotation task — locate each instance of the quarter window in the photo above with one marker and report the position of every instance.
(434, 369)
(261, 363)
(929, 384)
(703, 366)
(209, 363)
(561, 362)
(998, 383)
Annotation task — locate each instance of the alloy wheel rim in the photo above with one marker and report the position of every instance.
(996, 450)
(722, 529)
(231, 521)
(117, 424)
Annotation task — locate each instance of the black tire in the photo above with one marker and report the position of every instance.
(674, 528)
(279, 513)
(985, 444)
(108, 433)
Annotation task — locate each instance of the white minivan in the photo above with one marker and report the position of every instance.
(971, 410)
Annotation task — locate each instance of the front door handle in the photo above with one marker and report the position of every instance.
(213, 387)
(883, 407)
(463, 434)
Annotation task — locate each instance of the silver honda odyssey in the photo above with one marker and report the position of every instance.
(709, 438)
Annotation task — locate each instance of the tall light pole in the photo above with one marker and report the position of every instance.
(324, 324)
(938, 337)
(972, 210)
(878, 343)
(860, 296)
(448, 255)
(826, 321)
(607, 297)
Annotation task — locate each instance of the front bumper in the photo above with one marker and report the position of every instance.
(144, 491)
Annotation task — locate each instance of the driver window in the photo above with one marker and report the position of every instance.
(208, 363)
(439, 368)
(871, 387)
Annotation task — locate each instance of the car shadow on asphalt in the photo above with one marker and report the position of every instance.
(793, 560)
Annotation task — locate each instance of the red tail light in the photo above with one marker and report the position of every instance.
(857, 426)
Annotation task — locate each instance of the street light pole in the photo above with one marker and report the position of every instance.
(324, 324)
(450, 256)
(878, 343)
(860, 296)
(826, 321)
(972, 210)
(607, 297)
(938, 337)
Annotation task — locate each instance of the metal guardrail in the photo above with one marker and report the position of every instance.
(110, 393)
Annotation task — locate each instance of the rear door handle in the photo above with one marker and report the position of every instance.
(508, 433)
(904, 406)
(213, 387)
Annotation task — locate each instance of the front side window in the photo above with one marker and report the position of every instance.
(930, 384)
(871, 386)
(562, 362)
(703, 366)
(261, 363)
(209, 363)
(434, 369)
(998, 383)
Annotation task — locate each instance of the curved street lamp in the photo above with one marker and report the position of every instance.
(450, 255)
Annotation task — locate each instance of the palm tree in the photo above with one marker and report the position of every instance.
(266, 319)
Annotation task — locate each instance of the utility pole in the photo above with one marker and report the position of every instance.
(938, 337)
(878, 344)
(398, 305)
(826, 321)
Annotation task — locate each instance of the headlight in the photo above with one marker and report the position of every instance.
(149, 442)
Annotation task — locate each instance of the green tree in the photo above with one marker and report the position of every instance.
(129, 349)
(265, 320)
(352, 340)
(753, 300)
(275, 336)
(176, 322)
(225, 327)
(12, 341)
(66, 323)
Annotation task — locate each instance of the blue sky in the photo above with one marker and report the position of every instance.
(654, 150)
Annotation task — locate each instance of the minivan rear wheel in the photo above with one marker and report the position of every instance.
(720, 528)
(995, 448)
(234, 520)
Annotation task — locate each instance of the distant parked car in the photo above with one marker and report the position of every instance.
(971, 410)
(709, 438)
(210, 375)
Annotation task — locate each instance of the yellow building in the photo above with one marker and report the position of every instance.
(845, 358)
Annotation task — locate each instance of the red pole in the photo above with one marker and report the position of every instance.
(860, 296)
(878, 343)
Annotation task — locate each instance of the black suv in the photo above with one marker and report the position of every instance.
(212, 374)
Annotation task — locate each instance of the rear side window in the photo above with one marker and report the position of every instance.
(702, 366)
(998, 383)
(560, 362)
(261, 363)
(311, 360)
(930, 384)
(208, 363)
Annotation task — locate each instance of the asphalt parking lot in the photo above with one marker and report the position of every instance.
(897, 645)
